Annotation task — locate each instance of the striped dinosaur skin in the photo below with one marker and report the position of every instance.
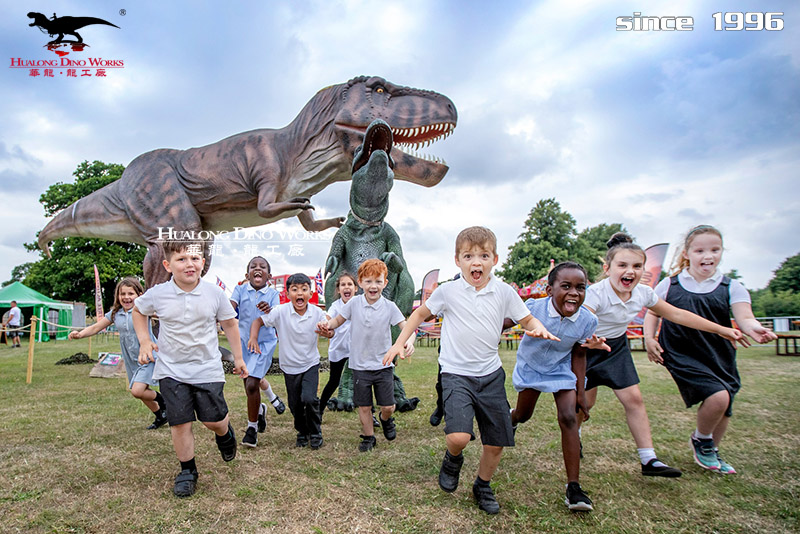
(257, 177)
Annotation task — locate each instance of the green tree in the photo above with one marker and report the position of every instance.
(69, 274)
(550, 233)
(787, 276)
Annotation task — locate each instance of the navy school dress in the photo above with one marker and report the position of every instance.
(701, 363)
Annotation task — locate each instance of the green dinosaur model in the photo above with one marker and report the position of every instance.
(261, 176)
(365, 235)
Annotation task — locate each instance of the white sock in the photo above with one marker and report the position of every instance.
(270, 394)
(645, 455)
(699, 435)
(252, 424)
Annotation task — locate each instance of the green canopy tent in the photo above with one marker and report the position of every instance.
(31, 302)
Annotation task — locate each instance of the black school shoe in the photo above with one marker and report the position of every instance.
(316, 441)
(261, 421)
(185, 483)
(250, 438)
(389, 428)
(367, 443)
(436, 417)
(576, 500)
(450, 471)
(484, 498)
(227, 444)
(649, 470)
(160, 420)
(301, 441)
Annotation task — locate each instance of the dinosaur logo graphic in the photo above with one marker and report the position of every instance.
(60, 26)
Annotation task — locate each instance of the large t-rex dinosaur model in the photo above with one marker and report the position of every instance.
(257, 177)
(62, 25)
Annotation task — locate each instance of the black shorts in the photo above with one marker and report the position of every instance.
(381, 380)
(614, 369)
(482, 398)
(185, 400)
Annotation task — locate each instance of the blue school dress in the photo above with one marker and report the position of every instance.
(129, 344)
(246, 298)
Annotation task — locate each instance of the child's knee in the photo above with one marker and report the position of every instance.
(458, 440)
(251, 385)
(567, 419)
(138, 389)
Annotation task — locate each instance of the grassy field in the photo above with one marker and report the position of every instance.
(75, 457)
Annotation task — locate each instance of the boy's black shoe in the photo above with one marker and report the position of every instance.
(316, 441)
(649, 470)
(250, 438)
(484, 497)
(185, 483)
(436, 417)
(375, 422)
(576, 499)
(227, 444)
(302, 441)
(449, 472)
(389, 428)
(160, 420)
(367, 443)
(261, 422)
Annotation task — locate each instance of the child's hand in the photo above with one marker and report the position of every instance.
(654, 350)
(582, 405)
(594, 342)
(323, 330)
(239, 368)
(733, 335)
(409, 346)
(264, 307)
(75, 334)
(394, 351)
(146, 352)
(541, 331)
(761, 334)
(252, 345)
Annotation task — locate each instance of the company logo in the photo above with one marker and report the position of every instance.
(70, 67)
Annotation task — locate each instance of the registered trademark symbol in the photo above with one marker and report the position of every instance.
(122, 12)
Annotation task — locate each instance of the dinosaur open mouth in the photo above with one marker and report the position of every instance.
(411, 140)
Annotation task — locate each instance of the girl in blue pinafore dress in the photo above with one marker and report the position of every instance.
(140, 377)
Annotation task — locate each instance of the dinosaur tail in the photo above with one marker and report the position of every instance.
(80, 22)
(96, 215)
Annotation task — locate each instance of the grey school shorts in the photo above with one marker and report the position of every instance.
(185, 400)
(482, 398)
(381, 380)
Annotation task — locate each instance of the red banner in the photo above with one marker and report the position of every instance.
(429, 283)
(652, 271)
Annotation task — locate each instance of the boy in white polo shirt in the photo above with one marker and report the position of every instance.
(189, 367)
(473, 381)
(298, 356)
(372, 317)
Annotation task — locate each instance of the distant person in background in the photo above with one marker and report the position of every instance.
(14, 322)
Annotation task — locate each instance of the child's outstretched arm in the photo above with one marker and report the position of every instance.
(231, 329)
(534, 328)
(651, 344)
(408, 345)
(745, 319)
(90, 330)
(146, 345)
(252, 342)
(687, 318)
(579, 368)
(325, 327)
(411, 325)
(595, 342)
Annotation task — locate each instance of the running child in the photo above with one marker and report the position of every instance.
(140, 377)
(616, 300)
(703, 366)
(250, 300)
(473, 381)
(189, 366)
(372, 317)
(339, 347)
(559, 367)
(298, 356)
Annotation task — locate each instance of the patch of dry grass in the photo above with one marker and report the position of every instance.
(75, 457)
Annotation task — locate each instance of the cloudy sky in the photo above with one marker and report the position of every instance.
(659, 131)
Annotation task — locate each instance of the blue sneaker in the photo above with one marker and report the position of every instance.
(724, 467)
(705, 454)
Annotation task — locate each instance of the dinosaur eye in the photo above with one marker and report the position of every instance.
(379, 90)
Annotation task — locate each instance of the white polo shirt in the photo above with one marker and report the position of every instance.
(737, 292)
(339, 345)
(188, 347)
(370, 331)
(297, 339)
(613, 315)
(472, 322)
